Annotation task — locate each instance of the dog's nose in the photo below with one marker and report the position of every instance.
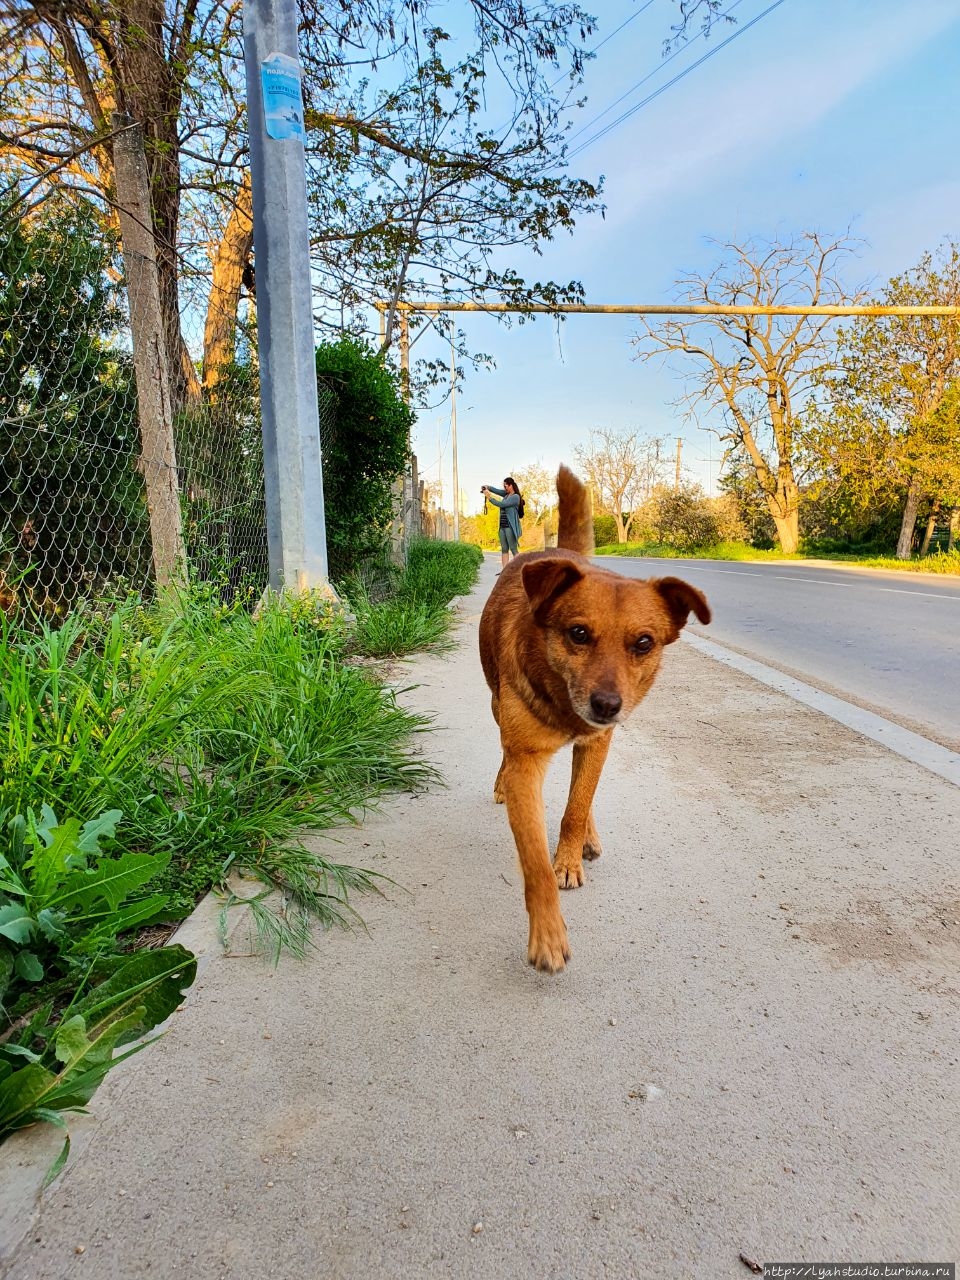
(605, 705)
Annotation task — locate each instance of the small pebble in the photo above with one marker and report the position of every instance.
(81, 1248)
(477, 1228)
(613, 1022)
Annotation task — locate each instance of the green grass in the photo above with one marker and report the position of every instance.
(216, 734)
(438, 571)
(415, 616)
(939, 562)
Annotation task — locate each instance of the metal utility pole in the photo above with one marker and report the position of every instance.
(676, 483)
(296, 532)
(453, 441)
(158, 458)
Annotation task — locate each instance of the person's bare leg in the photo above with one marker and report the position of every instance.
(504, 559)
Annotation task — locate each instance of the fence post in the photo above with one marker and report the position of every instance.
(158, 459)
(293, 481)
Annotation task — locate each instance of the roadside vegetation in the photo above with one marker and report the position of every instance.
(149, 750)
(937, 562)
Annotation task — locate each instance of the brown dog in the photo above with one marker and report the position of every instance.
(568, 651)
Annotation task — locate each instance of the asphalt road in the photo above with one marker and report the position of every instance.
(888, 641)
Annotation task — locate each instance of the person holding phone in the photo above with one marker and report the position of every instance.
(510, 501)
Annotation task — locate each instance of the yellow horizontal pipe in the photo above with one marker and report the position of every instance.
(659, 309)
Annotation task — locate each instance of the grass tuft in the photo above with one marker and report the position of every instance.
(415, 618)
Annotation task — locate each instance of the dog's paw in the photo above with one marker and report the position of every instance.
(548, 949)
(592, 849)
(569, 874)
(498, 796)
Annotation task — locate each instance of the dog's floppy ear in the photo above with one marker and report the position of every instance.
(682, 600)
(545, 581)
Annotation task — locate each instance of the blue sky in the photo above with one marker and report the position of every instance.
(824, 115)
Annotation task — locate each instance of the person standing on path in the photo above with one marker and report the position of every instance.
(510, 502)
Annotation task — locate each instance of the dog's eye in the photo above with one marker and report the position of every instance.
(644, 644)
(579, 634)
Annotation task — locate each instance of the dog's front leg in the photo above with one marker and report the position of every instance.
(577, 828)
(521, 779)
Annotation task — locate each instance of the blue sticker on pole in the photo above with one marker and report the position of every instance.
(282, 97)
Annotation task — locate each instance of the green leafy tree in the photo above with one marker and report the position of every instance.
(363, 453)
(887, 431)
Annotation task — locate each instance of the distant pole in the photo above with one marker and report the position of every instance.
(453, 440)
(440, 460)
(293, 481)
(676, 483)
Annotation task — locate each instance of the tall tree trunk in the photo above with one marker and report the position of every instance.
(788, 531)
(233, 252)
(784, 506)
(150, 92)
(931, 525)
(954, 523)
(621, 527)
(905, 541)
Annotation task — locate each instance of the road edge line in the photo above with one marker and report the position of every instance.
(902, 742)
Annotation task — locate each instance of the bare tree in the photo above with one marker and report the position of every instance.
(761, 371)
(539, 488)
(622, 469)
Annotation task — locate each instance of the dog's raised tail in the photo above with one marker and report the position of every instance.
(575, 532)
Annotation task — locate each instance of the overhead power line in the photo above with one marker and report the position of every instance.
(649, 76)
(663, 88)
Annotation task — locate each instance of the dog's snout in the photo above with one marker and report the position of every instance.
(605, 705)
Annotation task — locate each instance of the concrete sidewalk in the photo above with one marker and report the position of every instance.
(753, 1050)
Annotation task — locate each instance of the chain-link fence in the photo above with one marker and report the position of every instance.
(80, 464)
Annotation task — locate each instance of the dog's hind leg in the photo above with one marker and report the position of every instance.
(498, 795)
(592, 848)
(577, 830)
(521, 776)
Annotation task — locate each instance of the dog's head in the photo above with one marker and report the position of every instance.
(605, 634)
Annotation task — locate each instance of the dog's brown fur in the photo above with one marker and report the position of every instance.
(568, 651)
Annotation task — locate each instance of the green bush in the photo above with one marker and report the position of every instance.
(604, 530)
(685, 519)
(364, 445)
